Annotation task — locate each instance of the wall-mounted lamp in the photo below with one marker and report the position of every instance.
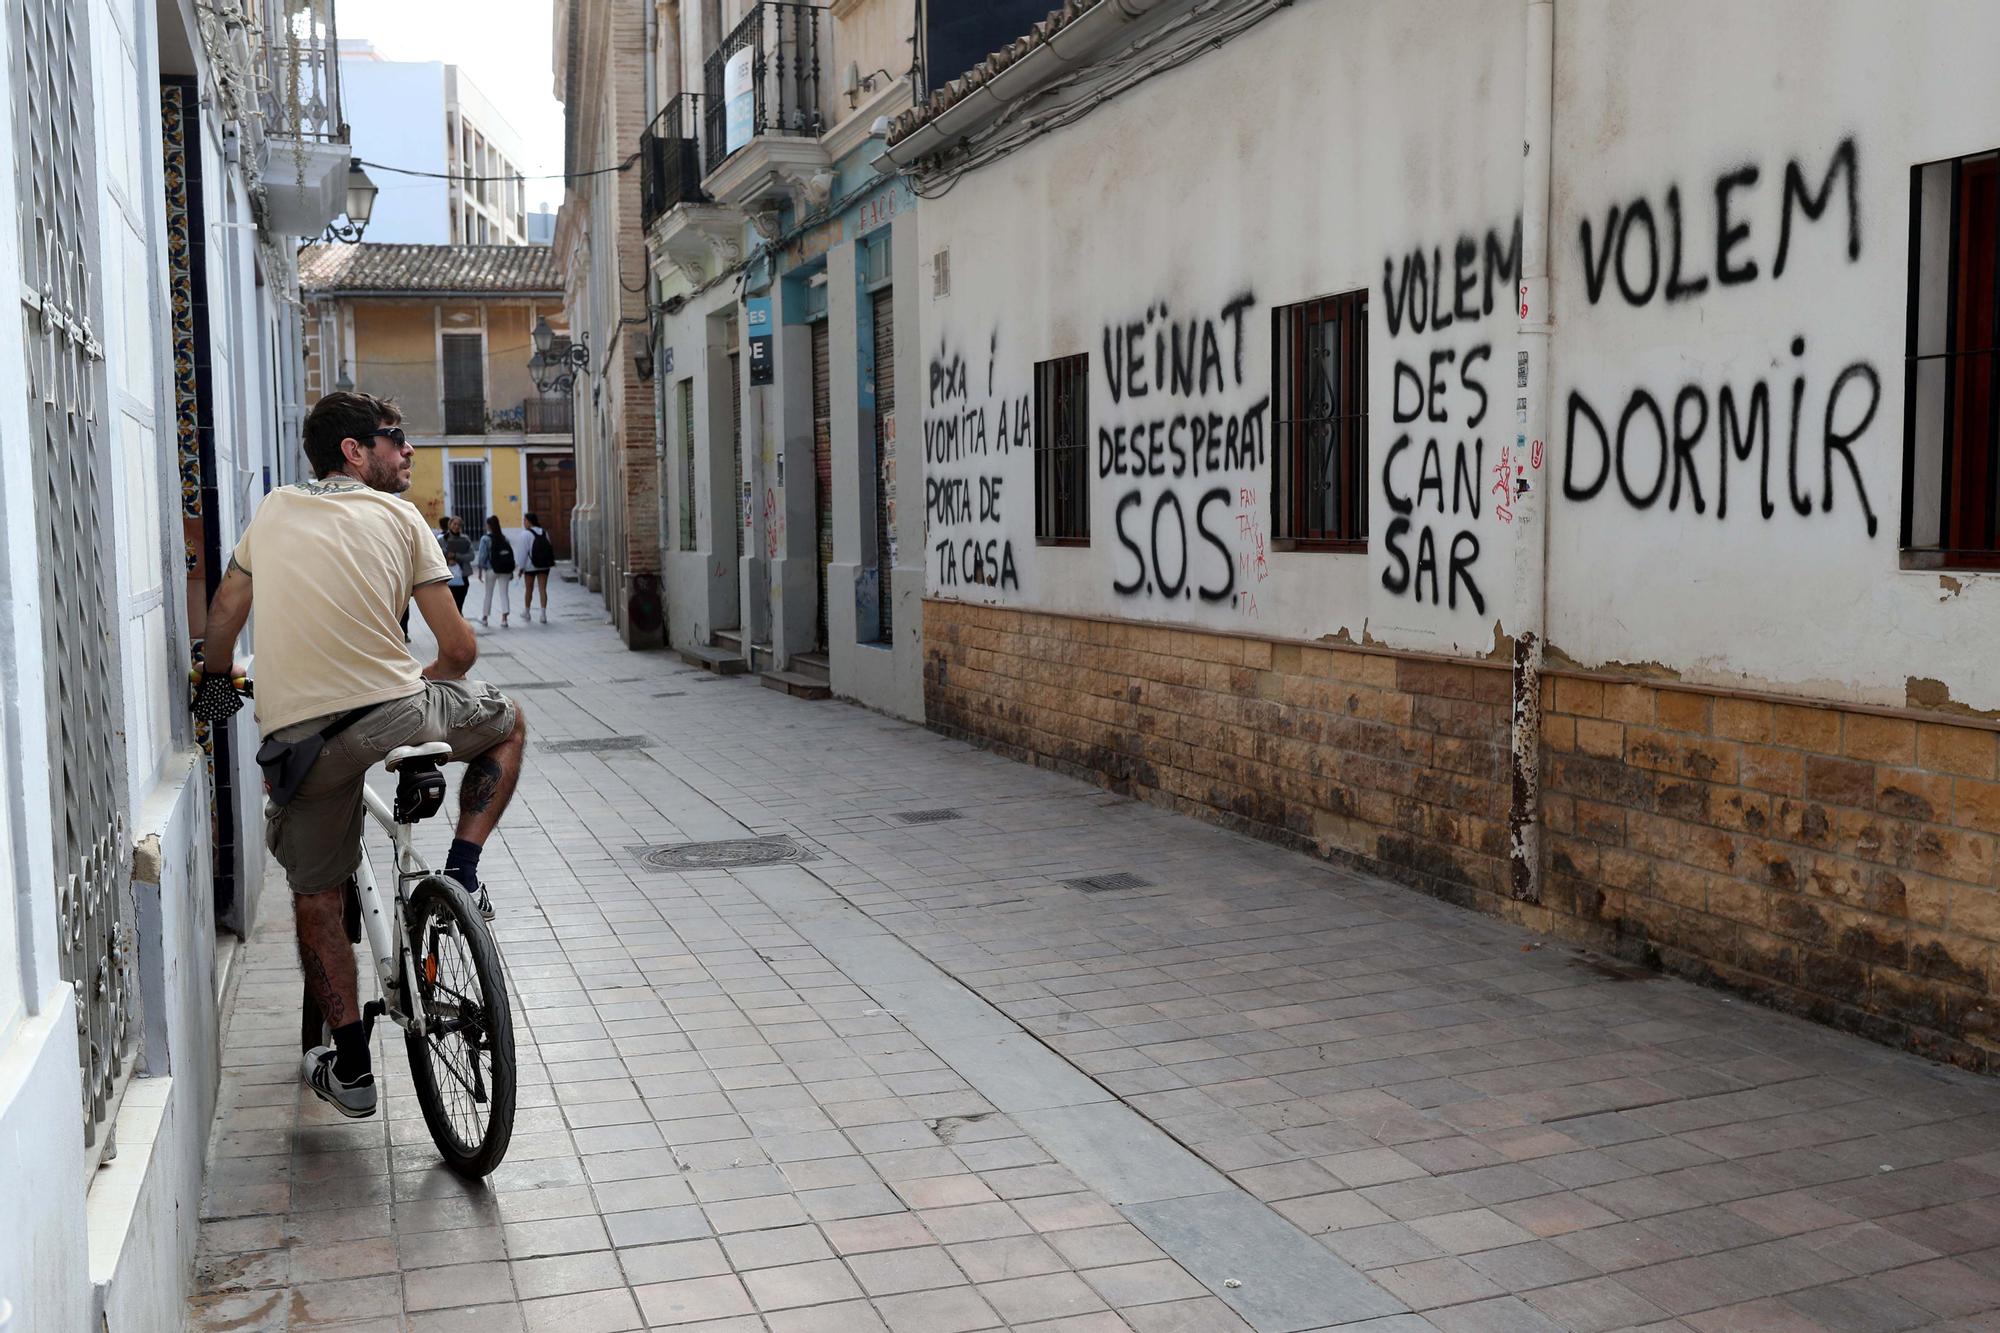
(361, 193)
(345, 384)
(642, 360)
(555, 370)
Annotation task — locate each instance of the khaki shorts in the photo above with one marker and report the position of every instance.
(317, 836)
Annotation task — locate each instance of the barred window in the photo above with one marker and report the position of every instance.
(1951, 456)
(1319, 406)
(1062, 451)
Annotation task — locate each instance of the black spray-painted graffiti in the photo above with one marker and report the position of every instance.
(1441, 404)
(963, 510)
(1663, 444)
(1171, 380)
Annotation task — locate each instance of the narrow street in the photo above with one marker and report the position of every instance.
(919, 1078)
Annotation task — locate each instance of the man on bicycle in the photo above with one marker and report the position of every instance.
(334, 562)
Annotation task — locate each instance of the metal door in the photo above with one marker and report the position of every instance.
(738, 503)
(885, 452)
(822, 467)
(71, 475)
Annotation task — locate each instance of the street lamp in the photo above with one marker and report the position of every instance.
(555, 369)
(361, 193)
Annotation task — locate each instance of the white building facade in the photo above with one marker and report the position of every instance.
(1541, 451)
(428, 116)
(161, 166)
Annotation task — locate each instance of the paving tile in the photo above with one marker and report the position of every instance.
(814, 1283)
(692, 1300)
(953, 1310)
(460, 1284)
(888, 1272)
(1024, 1300)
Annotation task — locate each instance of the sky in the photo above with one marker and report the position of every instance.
(502, 45)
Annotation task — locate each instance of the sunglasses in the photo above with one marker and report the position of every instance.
(393, 434)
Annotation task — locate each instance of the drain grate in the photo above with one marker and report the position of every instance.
(671, 694)
(726, 854)
(708, 677)
(536, 685)
(1109, 883)
(593, 744)
(926, 816)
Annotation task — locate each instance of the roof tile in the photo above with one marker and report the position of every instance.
(337, 267)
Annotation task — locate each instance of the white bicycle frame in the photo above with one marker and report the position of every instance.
(388, 939)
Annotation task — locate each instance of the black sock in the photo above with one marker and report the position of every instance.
(462, 863)
(350, 1044)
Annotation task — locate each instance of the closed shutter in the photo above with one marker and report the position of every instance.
(822, 465)
(738, 505)
(885, 451)
(687, 464)
(464, 384)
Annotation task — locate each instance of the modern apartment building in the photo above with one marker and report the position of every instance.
(427, 116)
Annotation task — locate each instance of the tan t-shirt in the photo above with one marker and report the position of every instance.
(332, 565)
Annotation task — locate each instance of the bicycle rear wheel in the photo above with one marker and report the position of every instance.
(463, 1066)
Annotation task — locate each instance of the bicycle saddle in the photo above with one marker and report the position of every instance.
(403, 754)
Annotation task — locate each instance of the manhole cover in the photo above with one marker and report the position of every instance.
(591, 744)
(726, 854)
(535, 685)
(926, 816)
(1109, 883)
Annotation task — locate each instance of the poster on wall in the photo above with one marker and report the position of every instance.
(738, 99)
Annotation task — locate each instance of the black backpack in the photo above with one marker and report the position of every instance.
(542, 551)
(500, 555)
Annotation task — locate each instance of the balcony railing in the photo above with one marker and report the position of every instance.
(670, 159)
(302, 75)
(763, 79)
(465, 416)
(548, 416)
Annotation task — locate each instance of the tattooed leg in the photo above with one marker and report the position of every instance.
(325, 955)
(488, 784)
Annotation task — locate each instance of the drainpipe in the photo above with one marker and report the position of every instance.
(1531, 549)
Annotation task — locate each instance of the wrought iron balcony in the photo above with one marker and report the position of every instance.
(305, 136)
(763, 79)
(670, 159)
(548, 416)
(302, 75)
(464, 416)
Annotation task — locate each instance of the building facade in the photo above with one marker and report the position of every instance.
(776, 253)
(601, 80)
(1546, 456)
(447, 332)
(427, 116)
(162, 163)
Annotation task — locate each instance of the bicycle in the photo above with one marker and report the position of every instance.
(439, 973)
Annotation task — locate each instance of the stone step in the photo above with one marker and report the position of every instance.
(797, 684)
(732, 639)
(812, 664)
(723, 661)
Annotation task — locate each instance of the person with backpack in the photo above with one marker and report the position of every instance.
(541, 559)
(496, 562)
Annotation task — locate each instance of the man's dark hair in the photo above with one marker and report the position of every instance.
(344, 416)
(530, 519)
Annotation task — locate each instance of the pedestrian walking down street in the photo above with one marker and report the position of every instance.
(541, 559)
(457, 548)
(496, 561)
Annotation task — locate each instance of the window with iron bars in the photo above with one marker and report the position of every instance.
(1319, 428)
(1062, 451)
(1951, 452)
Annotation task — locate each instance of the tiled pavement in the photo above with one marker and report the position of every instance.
(919, 1084)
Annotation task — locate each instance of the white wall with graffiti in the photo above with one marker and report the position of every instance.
(1157, 237)
(1734, 299)
(1731, 285)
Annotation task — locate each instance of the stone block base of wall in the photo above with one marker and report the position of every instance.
(1837, 862)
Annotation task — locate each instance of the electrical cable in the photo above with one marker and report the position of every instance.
(626, 165)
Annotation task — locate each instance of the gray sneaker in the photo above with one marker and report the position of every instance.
(353, 1100)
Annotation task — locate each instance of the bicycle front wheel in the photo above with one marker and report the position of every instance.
(462, 1067)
